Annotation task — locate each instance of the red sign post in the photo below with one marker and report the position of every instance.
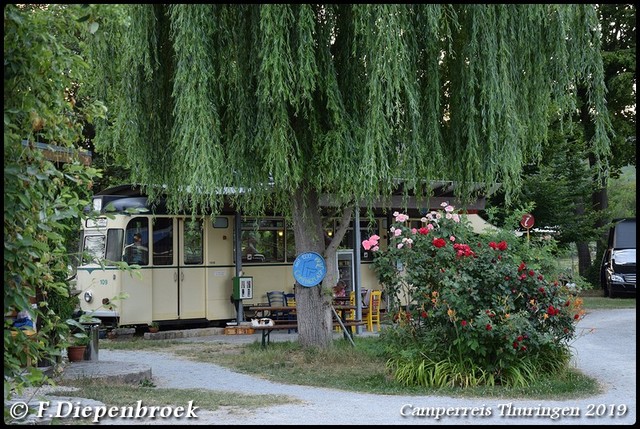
(527, 222)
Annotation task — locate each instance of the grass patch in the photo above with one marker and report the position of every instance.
(114, 394)
(362, 369)
(122, 394)
(602, 303)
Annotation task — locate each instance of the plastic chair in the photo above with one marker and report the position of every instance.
(291, 302)
(291, 299)
(277, 299)
(373, 315)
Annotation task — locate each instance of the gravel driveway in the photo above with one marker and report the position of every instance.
(604, 349)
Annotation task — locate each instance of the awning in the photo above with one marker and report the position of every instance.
(480, 225)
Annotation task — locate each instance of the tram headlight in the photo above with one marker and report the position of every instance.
(88, 296)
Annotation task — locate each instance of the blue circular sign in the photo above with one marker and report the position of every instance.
(309, 269)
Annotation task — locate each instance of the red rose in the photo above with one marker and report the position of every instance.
(439, 242)
(489, 327)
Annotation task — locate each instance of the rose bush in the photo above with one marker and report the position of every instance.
(470, 309)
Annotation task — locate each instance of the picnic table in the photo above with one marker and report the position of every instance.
(292, 323)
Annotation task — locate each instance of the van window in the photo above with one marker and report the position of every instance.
(625, 235)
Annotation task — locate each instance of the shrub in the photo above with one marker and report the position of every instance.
(471, 309)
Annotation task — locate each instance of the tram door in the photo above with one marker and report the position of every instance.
(179, 272)
(191, 269)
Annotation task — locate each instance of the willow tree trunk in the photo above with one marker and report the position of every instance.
(313, 303)
(584, 255)
(600, 202)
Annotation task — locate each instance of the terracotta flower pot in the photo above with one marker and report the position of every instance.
(76, 353)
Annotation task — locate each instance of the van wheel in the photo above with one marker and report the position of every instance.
(605, 291)
(611, 293)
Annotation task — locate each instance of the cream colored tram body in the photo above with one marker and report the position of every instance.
(187, 275)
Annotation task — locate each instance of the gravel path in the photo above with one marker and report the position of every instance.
(605, 349)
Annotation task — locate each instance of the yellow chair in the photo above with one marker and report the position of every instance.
(290, 298)
(348, 314)
(351, 314)
(373, 315)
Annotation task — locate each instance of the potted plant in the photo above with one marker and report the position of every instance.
(78, 346)
(79, 340)
(154, 327)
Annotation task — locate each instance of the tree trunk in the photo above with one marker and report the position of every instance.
(313, 303)
(600, 202)
(584, 256)
(599, 195)
(315, 328)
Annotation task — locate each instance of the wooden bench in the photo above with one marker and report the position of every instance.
(293, 324)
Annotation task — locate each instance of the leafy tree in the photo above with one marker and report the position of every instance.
(566, 186)
(294, 102)
(618, 22)
(42, 203)
(622, 194)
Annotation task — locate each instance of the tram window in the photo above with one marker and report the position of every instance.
(290, 244)
(94, 246)
(137, 239)
(263, 240)
(193, 242)
(163, 241)
(114, 245)
(220, 222)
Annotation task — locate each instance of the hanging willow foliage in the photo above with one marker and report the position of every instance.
(342, 99)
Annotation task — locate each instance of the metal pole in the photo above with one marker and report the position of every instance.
(238, 244)
(335, 313)
(356, 261)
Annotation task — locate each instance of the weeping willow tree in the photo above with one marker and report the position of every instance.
(288, 103)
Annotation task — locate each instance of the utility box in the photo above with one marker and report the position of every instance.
(243, 287)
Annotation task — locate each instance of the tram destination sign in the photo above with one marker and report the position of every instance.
(309, 269)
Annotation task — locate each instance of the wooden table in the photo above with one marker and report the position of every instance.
(293, 323)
